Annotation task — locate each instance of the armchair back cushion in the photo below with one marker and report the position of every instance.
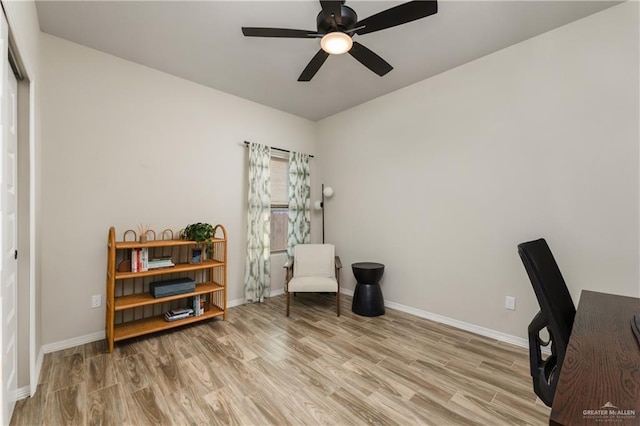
(314, 260)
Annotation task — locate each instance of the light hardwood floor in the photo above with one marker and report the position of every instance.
(260, 368)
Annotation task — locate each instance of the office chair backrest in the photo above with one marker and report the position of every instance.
(557, 313)
(551, 290)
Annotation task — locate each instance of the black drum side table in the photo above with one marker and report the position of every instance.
(367, 297)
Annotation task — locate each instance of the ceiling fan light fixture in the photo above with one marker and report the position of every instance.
(336, 43)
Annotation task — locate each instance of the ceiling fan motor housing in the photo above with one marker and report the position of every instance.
(349, 19)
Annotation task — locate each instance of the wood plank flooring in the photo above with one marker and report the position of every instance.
(262, 368)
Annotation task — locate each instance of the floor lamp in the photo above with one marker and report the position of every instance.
(319, 205)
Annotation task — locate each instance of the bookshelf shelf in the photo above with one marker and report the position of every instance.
(131, 311)
(143, 299)
(157, 323)
(180, 267)
(158, 243)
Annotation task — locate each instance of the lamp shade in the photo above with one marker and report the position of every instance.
(336, 43)
(327, 191)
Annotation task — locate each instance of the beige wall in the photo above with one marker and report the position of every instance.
(441, 180)
(125, 144)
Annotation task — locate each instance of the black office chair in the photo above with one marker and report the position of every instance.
(556, 315)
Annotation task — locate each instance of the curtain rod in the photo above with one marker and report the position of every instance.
(274, 148)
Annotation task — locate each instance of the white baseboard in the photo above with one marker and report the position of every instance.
(236, 302)
(21, 393)
(277, 292)
(241, 301)
(346, 291)
(70, 343)
(28, 391)
(36, 373)
(482, 331)
(99, 335)
(487, 332)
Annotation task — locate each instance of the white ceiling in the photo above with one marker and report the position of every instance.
(201, 41)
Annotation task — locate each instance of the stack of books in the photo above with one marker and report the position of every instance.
(198, 302)
(139, 259)
(160, 262)
(176, 314)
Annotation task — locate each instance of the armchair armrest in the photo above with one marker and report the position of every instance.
(289, 267)
(338, 263)
(289, 263)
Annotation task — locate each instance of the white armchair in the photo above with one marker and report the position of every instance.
(313, 268)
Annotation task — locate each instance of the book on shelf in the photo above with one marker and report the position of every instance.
(139, 259)
(176, 314)
(160, 266)
(176, 317)
(157, 263)
(134, 261)
(197, 304)
(145, 259)
(161, 259)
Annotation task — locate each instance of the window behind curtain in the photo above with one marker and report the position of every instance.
(279, 203)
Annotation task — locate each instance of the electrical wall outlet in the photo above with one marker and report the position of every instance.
(96, 300)
(510, 303)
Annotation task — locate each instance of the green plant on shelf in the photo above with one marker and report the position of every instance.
(201, 233)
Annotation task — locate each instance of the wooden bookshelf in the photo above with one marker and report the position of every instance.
(131, 311)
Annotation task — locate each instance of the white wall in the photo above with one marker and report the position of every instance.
(441, 180)
(124, 144)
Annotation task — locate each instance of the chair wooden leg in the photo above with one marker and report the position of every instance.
(338, 302)
(287, 297)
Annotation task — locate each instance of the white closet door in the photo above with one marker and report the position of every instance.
(8, 237)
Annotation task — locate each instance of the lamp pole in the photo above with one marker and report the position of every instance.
(326, 192)
(322, 205)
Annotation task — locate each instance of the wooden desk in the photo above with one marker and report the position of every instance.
(602, 365)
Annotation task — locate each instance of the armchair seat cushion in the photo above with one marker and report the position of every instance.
(313, 284)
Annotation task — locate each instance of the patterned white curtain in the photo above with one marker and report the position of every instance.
(257, 270)
(299, 230)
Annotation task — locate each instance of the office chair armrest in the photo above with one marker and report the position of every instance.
(538, 323)
(338, 263)
(544, 371)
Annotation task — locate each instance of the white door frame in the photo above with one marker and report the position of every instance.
(9, 235)
(35, 351)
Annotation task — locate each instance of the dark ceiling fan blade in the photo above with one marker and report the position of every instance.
(277, 32)
(332, 11)
(397, 15)
(313, 66)
(369, 59)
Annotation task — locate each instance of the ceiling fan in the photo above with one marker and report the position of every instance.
(336, 25)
